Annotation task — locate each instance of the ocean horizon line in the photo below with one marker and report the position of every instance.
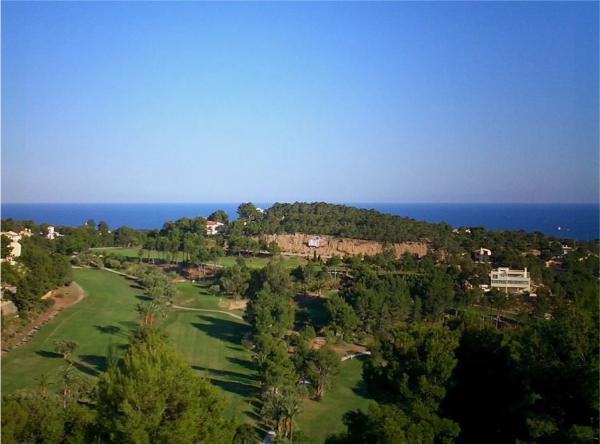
(301, 201)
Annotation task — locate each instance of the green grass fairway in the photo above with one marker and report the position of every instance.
(212, 345)
(133, 253)
(196, 295)
(227, 261)
(210, 341)
(323, 418)
(105, 315)
(290, 262)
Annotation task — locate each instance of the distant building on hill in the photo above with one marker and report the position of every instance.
(483, 255)
(314, 242)
(52, 234)
(212, 227)
(509, 280)
(566, 249)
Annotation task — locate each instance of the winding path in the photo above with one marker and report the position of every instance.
(179, 307)
(233, 315)
(356, 355)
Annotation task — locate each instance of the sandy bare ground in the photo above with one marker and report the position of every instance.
(63, 297)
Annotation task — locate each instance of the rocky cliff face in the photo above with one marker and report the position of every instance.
(340, 246)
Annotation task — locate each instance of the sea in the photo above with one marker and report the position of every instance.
(572, 221)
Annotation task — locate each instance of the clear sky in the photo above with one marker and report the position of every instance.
(347, 102)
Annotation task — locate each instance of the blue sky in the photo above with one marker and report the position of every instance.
(351, 102)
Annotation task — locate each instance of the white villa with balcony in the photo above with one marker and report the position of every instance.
(510, 280)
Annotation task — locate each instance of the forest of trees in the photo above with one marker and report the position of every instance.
(449, 362)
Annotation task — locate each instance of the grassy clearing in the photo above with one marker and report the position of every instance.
(321, 419)
(290, 262)
(134, 253)
(210, 341)
(196, 295)
(226, 261)
(312, 310)
(106, 315)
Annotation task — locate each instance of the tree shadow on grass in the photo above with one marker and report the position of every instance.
(233, 382)
(222, 329)
(129, 325)
(238, 388)
(85, 368)
(246, 363)
(227, 374)
(361, 389)
(48, 354)
(260, 425)
(96, 362)
(108, 329)
(311, 310)
(143, 298)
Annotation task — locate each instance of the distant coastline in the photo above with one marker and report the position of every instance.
(576, 221)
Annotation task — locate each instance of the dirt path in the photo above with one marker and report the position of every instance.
(356, 355)
(63, 297)
(233, 315)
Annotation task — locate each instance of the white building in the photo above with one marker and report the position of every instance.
(566, 249)
(212, 227)
(510, 280)
(483, 255)
(52, 234)
(314, 242)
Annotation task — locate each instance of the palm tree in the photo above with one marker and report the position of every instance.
(290, 404)
(149, 312)
(43, 383)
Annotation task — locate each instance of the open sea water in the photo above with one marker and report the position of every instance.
(575, 221)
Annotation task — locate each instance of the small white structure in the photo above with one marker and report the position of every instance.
(212, 227)
(566, 249)
(483, 254)
(260, 210)
(15, 246)
(52, 234)
(510, 280)
(314, 242)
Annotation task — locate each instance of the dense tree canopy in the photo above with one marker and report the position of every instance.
(153, 396)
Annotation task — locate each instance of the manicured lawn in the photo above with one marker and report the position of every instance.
(210, 341)
(105, 315)
(212, 345)
(196, 295)
(227, 261)
(290, 262)
(323, 418)
(133, 253)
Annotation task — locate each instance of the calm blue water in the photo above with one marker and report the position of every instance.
(577, 221)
